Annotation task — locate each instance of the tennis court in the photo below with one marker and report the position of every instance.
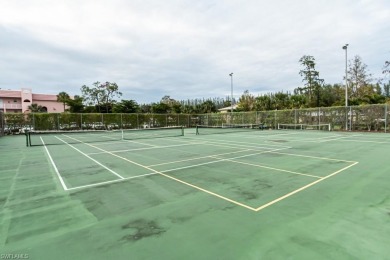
(243, 194)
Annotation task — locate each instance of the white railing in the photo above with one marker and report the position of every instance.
(12, 106)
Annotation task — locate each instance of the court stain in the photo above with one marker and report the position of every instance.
(140, 229)
(279, 141)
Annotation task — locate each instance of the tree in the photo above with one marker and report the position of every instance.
(264, 102)
(208, 107)
(246, 102)
(63, 97)
(35, 108)
(386, 89)
(145, 108)
(358, 78)
(160, 108)
(76, 104)
(281, 100)
(92, 95)
(174, 106)
(298, 101)
(313, 82)
(126, 106)
(101, 95)
(386, 68)
(110, 91)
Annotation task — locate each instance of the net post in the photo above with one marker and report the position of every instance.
(29, 138)
(182, 130)
(26, 133)
(197, 130)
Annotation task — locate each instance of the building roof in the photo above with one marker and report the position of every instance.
(44, 97)
(227, 108)
(10, 93)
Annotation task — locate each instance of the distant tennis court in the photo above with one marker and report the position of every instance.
(225, 192)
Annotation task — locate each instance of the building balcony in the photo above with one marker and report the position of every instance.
(12, 106)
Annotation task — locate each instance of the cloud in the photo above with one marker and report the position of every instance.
(185, 49)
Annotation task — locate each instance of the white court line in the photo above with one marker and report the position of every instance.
(233, 144)
(54, 166)
(276, 169)
(219, 160)
(197, 158)
(327, 140)
(147, 148)
(225, 198)
(240, 143)
(302, 188)
(315, 157)
(89, 157)
(113, 181)
(170, 177)
(365, 141)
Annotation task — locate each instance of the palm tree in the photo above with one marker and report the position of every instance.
(35, 108)
(63, 97)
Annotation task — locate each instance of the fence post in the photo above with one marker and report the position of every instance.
(350, 118)
(386, 118)
(275, 120)
(319, 116)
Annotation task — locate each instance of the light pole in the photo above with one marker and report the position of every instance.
(231, 111)
(345, 47)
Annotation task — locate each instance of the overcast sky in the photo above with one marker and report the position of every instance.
(185, 48)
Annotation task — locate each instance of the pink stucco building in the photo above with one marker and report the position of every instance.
(18, 101)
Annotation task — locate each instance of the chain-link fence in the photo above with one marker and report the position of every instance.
(354, 118)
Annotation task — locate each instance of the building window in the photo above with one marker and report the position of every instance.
(27, 100)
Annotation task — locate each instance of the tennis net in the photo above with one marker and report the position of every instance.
(34, 138)
(322, 127)
(227, 128)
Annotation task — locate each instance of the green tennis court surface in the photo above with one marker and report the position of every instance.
(260, 194)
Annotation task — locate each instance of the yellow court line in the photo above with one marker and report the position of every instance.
(336, 138)
(173, 178)
(89, 157)
(217, 161)
(197, 158)
(235, 144)
(112, 181)
(148, 148)
(225, 198)
(315, 157)
(271, 168)
(209, 192)
(302, 188)
(365, 141)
